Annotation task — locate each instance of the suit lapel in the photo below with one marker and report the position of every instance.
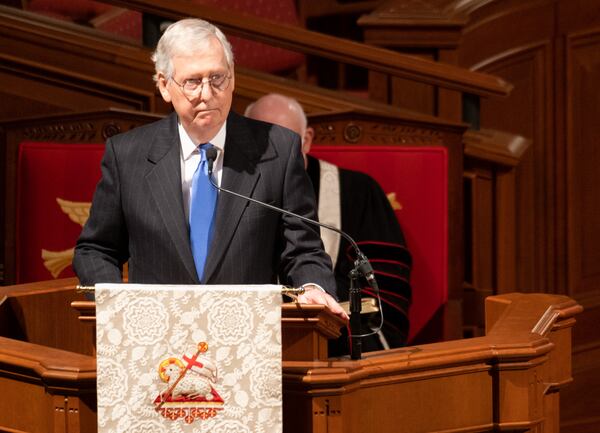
(164, 155)
(240, 174)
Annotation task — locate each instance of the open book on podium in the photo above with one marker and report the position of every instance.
(508, 380)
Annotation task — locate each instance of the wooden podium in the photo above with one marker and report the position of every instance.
(509, 380)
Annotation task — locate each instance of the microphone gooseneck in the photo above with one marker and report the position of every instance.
(362, 267)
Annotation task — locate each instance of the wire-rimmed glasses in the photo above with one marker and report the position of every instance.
(193, 86)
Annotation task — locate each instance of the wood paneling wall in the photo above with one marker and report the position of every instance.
(553, 60)
(525, 58)
(546, 212)
(578, 154)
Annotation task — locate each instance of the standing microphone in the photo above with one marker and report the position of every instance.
(362, 267)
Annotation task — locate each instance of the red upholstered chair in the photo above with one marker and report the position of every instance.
(416, 177)
(55, 185)
(51, 165)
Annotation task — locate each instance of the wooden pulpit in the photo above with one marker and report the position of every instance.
(509, 379)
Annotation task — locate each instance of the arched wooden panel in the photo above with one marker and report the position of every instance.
(524, 229)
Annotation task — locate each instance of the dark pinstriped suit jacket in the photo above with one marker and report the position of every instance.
(137, 212)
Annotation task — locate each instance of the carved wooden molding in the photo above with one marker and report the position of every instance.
(81, 131)
(371, 133)
(499, 147)
(77, 131)
(112, 128)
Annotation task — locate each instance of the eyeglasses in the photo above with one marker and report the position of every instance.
(193, 86)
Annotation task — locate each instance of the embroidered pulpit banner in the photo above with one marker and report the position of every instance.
(189, 358)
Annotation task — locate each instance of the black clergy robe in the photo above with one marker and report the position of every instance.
(367, 216)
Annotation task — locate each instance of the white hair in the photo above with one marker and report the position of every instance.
(185, 37)
(275, 101)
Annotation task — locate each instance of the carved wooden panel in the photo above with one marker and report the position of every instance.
(525, 223)
(581, 180)
(583, 161)
(550, 51)
(92, 131)
(525, 112)
(352, 132)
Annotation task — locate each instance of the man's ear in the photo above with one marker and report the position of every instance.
(162, 87)
(309, 134)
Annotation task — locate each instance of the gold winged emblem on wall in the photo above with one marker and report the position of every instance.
(396, 205)
(78, 212)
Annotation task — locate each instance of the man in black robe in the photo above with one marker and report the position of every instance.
(355, 203)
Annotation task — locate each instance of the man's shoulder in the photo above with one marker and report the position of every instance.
(261, 136)
(362, 185)
(358, 177)
(258, 127)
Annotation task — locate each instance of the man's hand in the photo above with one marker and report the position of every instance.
(314, 295)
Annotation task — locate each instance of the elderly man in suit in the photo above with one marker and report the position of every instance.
(154, 206)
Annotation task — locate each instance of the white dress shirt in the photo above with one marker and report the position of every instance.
(190, 158)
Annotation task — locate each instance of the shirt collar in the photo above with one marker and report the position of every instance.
(188, 147)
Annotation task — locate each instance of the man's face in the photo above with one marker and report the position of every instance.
(203, 112)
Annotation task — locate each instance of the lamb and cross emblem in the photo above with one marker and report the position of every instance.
(189, 393)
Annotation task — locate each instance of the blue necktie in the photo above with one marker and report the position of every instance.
(202, 211)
